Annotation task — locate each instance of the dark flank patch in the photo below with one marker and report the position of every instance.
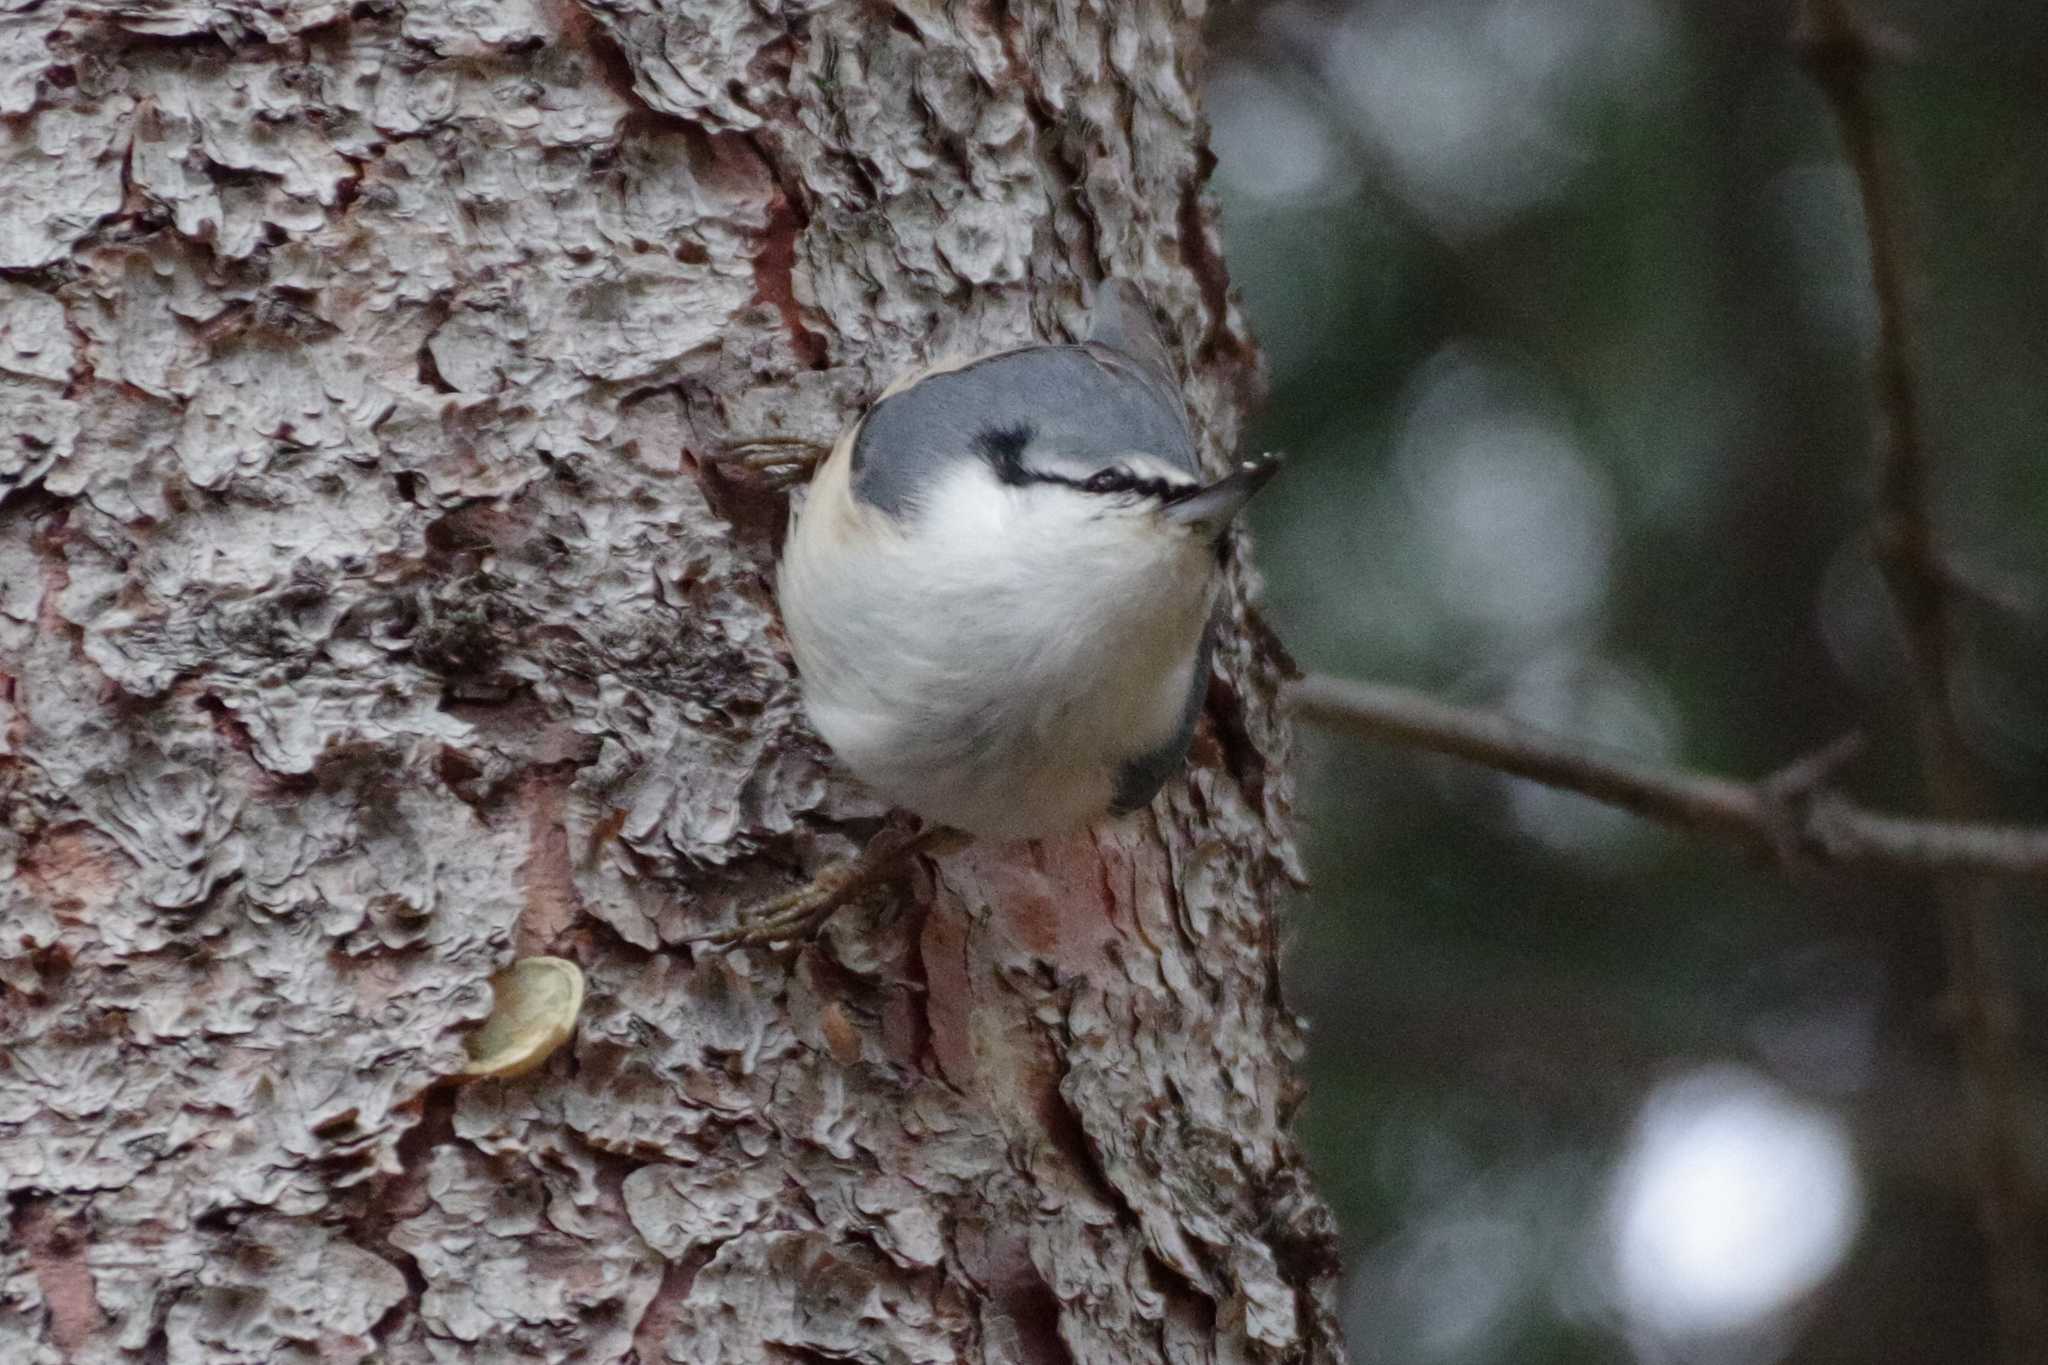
(1139, 779)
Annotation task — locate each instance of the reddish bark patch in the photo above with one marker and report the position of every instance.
(16, 734)
(1052, 904)
(664, 1312)
(56, 1253)
(775, 279)
(603, 832)
(48, 543)
(74, 869)
(552, 905)
(841, 1037)
(577, 29)
(998, 1256)
(1051, 899)
(1200, 251)
(948, 996)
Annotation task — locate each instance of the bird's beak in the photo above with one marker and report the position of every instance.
(1213, 505)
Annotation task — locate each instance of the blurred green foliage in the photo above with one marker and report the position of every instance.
(1569, 329)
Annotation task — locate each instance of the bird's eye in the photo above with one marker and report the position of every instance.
(1111, 480)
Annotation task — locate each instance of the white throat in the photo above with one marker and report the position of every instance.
(991, 663)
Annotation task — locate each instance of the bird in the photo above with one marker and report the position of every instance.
(1000, 590)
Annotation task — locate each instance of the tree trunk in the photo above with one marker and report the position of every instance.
(373, 611)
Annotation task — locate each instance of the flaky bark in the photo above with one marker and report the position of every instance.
(371, 611)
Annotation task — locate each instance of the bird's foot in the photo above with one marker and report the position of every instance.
(782, 460)
(804, 911)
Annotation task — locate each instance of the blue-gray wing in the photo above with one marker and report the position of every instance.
(1119, 320)
(1069, 408)
(1140, 778)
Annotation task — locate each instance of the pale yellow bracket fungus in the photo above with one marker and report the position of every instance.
(534, 1006)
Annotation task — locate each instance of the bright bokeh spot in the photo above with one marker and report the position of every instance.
(1735, 1201)
(1478, 109)
(1469, 145)
(1517, 525)
(1269, 144)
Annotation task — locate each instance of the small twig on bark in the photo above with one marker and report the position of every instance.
(1764, 816)
(1838, 52)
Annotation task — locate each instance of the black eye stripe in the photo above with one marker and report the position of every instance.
(1119, 479)
(1108, 481)
(1003, 448)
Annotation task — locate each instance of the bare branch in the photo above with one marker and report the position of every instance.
(1824, 827)
(1838, 50)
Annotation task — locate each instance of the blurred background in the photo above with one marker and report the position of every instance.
(1566, 308)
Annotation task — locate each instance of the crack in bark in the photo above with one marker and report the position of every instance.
(578, 27)
(775, 261)
(1207, 267)
(386, 1201)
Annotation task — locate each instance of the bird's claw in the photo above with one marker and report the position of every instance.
(802, 912)
(785, 460)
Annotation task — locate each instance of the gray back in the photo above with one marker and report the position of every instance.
(1064, 409)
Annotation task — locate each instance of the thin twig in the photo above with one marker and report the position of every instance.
(1826, 828)
(1838, 53)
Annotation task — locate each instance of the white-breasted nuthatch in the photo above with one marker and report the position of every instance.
(1001, 586)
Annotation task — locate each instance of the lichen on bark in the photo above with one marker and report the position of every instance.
(373, 610)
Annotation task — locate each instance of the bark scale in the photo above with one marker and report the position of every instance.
(372, 612)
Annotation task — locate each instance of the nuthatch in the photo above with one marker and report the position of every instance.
(1000, 587)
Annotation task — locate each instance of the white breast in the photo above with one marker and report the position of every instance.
(993, 665)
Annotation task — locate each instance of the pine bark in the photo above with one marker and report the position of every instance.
(374, 610)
